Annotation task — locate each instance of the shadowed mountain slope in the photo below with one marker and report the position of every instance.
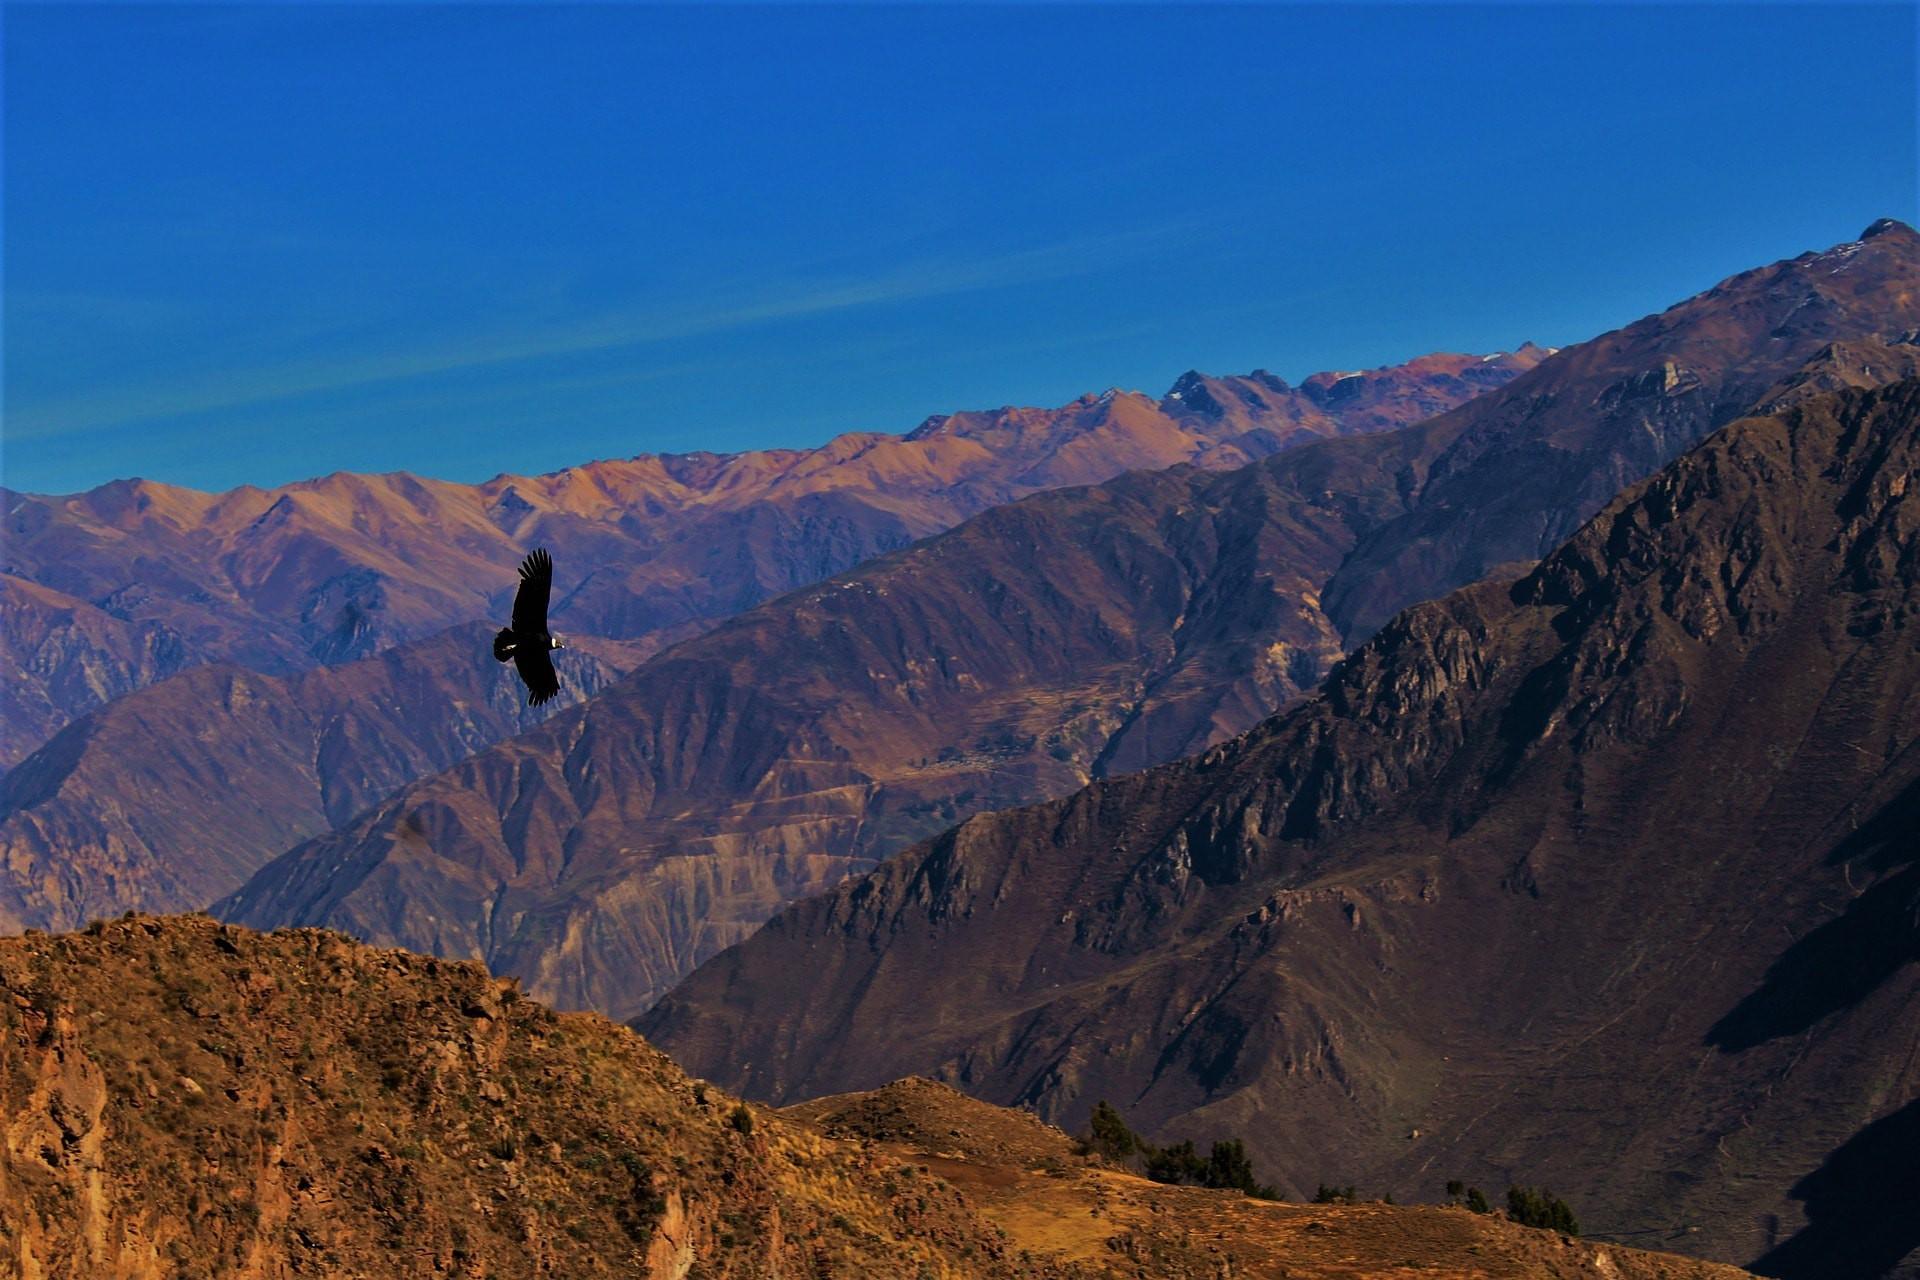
(1605, 878)
(1511, 479)
(172, 795)
(179, 1098)
(1071, 635)
(650, 549)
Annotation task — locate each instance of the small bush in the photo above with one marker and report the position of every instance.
(1230, 1168)
(1108, 1135)
(1543, 1209)
(1226, 1166)
(1335, 1195)
(1177, 1163)
(741, 1119)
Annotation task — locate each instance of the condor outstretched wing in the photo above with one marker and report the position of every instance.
(530, 602)
(536, 670)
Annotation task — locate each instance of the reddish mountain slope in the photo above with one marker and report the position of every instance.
(650, 548)
(1070, 635)
(58, 653)
(172, 795)
(1606, 879)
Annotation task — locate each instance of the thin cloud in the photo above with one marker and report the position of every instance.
(261, 386)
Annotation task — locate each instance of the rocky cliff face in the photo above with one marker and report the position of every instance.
(1069, 636)
(651, 548)
(1604, 878)
(173, 795)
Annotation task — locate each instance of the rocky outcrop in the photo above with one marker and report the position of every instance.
(1604, 878)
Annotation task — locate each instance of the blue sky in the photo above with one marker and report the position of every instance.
(260, 243)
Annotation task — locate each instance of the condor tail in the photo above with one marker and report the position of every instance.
(503, 645)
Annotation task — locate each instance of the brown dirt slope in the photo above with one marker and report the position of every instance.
(1073, 635)
(1604, 880)
(1057, 1205)
(187, 1100)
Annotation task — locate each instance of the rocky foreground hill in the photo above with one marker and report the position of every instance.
(1608, 875)
(105, 591)
(184, 1099)
(1073, 635)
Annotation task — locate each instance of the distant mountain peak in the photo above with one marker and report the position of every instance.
(1190, 390)
(929, 426)
(1883, 226)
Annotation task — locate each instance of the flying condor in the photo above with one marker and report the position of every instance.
(527, 642)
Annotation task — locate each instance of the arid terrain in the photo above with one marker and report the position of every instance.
(1056, 1204)
(1604, 876)
(930, 641)
(1070, 636)
(188, 1099)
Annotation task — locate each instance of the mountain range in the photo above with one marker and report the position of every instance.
(108, 590)
(92, 824)
(1497, 769)
(1607, 873)
(1068, 636)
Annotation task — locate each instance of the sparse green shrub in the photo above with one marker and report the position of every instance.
(1531, 1208)
(1230, 1168)
(741, 1119)
(1226, 1166)
(1108, 1135)
(1175, 1163)
(1459, 1193)
(1336, 1195)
